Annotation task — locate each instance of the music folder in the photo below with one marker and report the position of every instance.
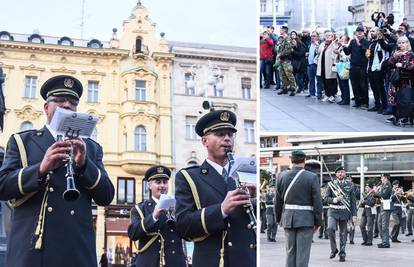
(73, 124)
(244, 168)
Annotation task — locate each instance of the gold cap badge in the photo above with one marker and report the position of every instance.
(160, 170)
(224, 116)
(68, 83)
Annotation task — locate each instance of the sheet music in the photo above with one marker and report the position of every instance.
(66, 122)
(166, 202)
(244, 168)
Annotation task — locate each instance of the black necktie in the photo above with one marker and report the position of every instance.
(225, 175)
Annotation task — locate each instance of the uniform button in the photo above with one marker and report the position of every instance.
(230, 244)
(72, 212)
(251, 246)
(172, 241)
(171, 230)
(51, 189)
(159, 241)
(159, 252)
(50, 209)
(173, 252)
(228, 225)
(249, 226)
(50, 172)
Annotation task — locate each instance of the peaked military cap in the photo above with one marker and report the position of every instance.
(298, 153)
(340, 168)
(216, 120)
(386, 174)
(62, 85)
(157, 172)
(395, 182)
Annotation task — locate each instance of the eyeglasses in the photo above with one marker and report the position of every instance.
(62, 99)
(222, 134)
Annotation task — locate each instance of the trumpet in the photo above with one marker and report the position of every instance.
(337, 190)
(248, 208)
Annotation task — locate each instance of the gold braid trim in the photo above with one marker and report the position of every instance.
(151, 241)
(42, 216)
(221, 263)
(96, 182)
(14, 203)
(196, 198)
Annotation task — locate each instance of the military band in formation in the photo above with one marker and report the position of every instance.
(335, 209)
(213, 209)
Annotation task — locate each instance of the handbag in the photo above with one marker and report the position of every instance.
(394, 76)
(343, 69)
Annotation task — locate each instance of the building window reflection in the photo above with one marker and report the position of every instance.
(140, 139)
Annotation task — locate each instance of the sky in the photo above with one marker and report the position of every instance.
(224, 22)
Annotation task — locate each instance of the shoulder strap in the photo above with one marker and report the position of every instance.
(197, 202)
(291, 184)
(193, 188)
(14, 203)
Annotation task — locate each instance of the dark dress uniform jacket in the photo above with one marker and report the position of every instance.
(304, 192)
(367, 203)
(270, 200)
(208, 222)
(385, 193)
(349, 191)
(68, 237)
(142, 229)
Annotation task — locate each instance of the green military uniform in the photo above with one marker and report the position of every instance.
(284, 52)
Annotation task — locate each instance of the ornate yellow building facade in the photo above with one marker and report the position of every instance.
(126, 84)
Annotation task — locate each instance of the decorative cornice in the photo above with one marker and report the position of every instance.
(93, 72)
(101, 117)
(69, 50)
(63, 70)
(205, 57)
(5, 66)
(28, 113)
(32, 67)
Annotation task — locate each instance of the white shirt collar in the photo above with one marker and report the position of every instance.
(155, 199)
(54, 134)
(217, 167)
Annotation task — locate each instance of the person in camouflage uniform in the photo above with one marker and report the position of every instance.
(284, 63)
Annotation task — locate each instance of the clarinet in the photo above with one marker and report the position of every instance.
(248, 208)
(71, 193)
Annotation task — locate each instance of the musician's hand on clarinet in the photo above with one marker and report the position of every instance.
(157, 213)
(55, 156)
(79, 151)
(251, 188)
(233, 199)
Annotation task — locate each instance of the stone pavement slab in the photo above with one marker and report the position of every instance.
(399, 255)
(300, 114)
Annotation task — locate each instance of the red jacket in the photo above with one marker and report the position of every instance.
(266, 48)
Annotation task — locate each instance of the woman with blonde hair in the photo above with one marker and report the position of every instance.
(403, 61)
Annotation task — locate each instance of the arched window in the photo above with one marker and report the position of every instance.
(138, 45)
(65, 41)
(26, 125)
(95, 43)
(6, 36)
(140, 136)
(36, 38)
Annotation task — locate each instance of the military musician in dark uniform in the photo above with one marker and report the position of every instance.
(209, 206)
(153, 228)
(397, 194)
(46, 229)
(368, 215)
(384, 192)
(298, 208)
(342, 208)
(270, 213)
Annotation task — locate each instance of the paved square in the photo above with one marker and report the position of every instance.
(401, 255)
(301, 114)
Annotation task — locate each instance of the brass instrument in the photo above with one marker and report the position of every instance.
(248, 208)
(71, 193)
